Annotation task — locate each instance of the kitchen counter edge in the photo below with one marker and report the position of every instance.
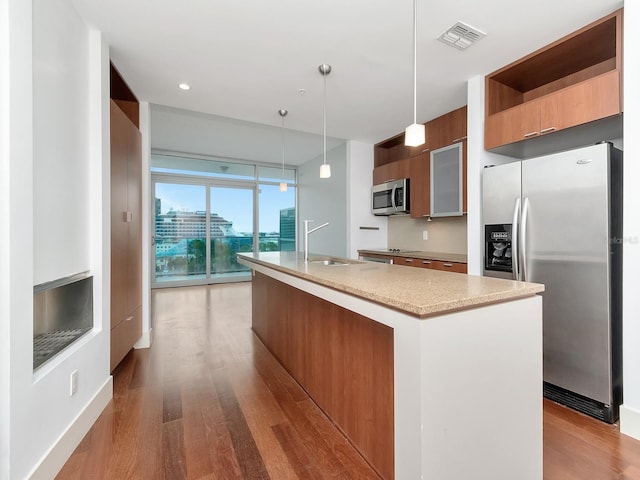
(447, 292)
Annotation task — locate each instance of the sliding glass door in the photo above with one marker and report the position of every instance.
(207, 210)
(231, 217)
(199, 229)
(180, 232)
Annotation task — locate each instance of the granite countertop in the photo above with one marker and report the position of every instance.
(420, 292)
(444, 257)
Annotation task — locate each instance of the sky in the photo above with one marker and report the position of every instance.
(233, 204)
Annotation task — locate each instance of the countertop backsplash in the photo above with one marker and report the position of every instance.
(448, 234)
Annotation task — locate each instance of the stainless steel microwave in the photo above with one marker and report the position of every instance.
(390, 198)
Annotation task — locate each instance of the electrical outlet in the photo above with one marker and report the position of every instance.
(73, 388)
(425, 235)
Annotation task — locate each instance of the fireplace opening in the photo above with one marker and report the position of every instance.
(62, 313)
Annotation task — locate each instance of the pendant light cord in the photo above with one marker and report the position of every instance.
(324, 120)
(415, 62)
(282, 129)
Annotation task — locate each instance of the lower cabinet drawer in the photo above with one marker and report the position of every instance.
(124, 335)
(445, 266)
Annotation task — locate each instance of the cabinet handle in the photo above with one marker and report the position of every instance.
(127, 216)
(447, 264)
(128, 319)
(426, 262)
(463, 138)
(547, 130)
(531, 134)
(425, 150)
(408, 259)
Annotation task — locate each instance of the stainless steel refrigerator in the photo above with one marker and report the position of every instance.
(557, 220)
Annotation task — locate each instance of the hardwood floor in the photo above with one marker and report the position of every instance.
(208, 401)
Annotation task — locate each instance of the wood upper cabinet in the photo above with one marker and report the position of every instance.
(582, 103)
(414, 163)
(573, 81)
(419, 195)
(512, 125)
(392, 171)
(447, 129)
(590, 100)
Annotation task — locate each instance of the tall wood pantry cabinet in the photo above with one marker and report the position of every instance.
(126, 234)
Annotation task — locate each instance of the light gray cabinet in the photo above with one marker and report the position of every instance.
(446, 181)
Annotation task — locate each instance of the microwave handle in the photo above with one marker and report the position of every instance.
(393, 197)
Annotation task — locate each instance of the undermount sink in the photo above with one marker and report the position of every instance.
(334, 263)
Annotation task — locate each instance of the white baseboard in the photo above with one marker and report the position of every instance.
(57, 456)
(144, 341)
(630, 422)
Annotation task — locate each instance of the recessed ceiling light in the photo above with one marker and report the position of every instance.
(184, 86)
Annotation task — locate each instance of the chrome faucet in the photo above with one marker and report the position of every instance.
(308, 232)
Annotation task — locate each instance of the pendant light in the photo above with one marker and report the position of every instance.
(414, 133)
(325, 168)
(283, 184)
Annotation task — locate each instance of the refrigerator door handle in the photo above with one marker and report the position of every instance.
(515, 259)
(523, 239)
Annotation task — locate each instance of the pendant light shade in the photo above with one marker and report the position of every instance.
(283, 184)
(325, 168)
(414, 133)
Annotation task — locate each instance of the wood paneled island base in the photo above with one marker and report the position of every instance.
(414, 366)
(343, 360)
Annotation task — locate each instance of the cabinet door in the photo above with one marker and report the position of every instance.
(585, 102)
(427, 264)
(448, 128)
(419, 186)
(120, 139)
(134, 197)
(406, 261)
(512, 125)
(392, 171)
(446, 266)
(446, 181)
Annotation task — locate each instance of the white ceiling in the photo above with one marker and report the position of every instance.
(245, 60)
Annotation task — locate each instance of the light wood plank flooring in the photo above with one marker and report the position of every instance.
(208, 401)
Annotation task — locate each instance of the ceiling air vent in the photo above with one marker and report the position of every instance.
(461, 36)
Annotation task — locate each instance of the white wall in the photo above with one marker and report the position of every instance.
(324, 200)
(54, 120)
(630, 412)
(359, 181)
(15, 166)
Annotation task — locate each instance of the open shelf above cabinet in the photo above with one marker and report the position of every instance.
(573, 81)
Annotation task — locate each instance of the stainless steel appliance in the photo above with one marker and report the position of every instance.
(390, 198)
(557, 220)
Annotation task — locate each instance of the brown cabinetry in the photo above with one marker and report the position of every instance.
(447, 129)
(444, 266)
(392, 171)
(426, 263)
(394, 161)
(571, 82)
(126, 234)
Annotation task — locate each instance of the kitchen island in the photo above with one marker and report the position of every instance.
(430, 374)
